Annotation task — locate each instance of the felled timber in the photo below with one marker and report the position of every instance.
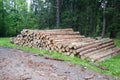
(68, 42)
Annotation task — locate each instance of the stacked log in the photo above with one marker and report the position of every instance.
(68, 42)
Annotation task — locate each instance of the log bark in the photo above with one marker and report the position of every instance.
(64, 41)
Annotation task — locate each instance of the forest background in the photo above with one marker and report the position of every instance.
(90, 17)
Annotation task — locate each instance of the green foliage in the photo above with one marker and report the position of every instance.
(117, 42)
(2, 27)
(85, 16)
(113, 18)
(14, 16)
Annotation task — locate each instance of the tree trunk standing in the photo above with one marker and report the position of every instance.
(104, 18)
(16, 18)
(104, 23)
(57, 14)
(25, 18)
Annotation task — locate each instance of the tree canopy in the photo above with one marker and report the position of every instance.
(85, 16)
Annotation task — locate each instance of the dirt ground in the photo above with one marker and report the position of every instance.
(19, 65)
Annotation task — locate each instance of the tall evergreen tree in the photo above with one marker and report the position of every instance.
(2, 17)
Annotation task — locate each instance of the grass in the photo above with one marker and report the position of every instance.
(117, 42)
(112, 64)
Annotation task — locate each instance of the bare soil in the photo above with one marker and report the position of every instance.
(20, 65)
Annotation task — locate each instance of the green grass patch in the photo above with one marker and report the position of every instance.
(117, 42)
(112, 64)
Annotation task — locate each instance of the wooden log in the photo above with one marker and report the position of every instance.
(56, 30)
(90, 43)
(98, 56)
(62, 40)
(64, 36)
(65, 40)
(96, 48)
(108, 55)
(93, 45)
(59, 33)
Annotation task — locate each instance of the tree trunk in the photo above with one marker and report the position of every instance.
(104, 19)
(57, 14)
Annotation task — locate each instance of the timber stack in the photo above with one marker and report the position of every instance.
(68, 42)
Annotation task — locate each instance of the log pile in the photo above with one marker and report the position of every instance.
(68, 42)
